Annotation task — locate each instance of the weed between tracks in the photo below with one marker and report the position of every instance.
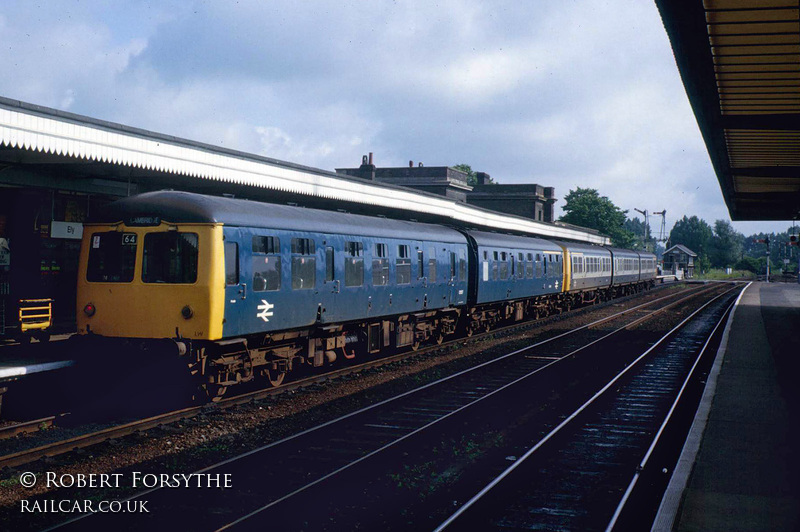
(428, 477)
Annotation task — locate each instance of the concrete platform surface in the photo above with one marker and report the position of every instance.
(740, 467)
(18, 360)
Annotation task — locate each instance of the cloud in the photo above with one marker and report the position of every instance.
(565, 94)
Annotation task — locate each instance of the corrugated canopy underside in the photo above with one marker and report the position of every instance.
(740, 64)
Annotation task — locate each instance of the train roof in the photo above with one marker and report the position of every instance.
(584, 248)
(187, 207)
(484, 238)
(631, 253)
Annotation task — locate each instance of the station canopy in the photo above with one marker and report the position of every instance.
(66, 147)
(740, 65)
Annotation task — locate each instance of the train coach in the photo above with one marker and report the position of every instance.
(243, 289)
(512, 278)
(247, 288)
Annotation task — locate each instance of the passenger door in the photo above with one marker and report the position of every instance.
(332, 285)
(456, 285)
(235, 289)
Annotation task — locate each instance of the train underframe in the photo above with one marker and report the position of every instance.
(223, 364)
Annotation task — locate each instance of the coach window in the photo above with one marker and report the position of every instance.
(170, 258)
(432, 265)
(112, 257)
(529, 266)
(304, 264)
(380, 266)
(462, 265)
(503, 266)
(521, 266)
(420, 264)
(538, 265)
(266, 263)
(403, 265)
(495, 266)
(354, 264)
(330, 271)
(452, 265)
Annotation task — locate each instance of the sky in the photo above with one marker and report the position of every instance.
(560, 93)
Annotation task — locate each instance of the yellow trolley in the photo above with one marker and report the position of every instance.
(35, 317)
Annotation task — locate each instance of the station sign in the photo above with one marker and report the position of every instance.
(71, 230)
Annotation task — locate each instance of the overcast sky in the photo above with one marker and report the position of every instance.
(560, 93)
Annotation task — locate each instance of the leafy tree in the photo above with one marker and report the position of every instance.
(472, 176)
(750, 264)
(726, 245)
(702, 263)
(585, 207)
(693, 233)
(642, 234)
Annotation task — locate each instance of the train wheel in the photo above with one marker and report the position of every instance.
(275, 377)
(215, 392)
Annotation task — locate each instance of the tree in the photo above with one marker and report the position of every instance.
(472, 176)
(749, 264)
(642, 234)
(693, 233)
(726, 245)
(585, 207)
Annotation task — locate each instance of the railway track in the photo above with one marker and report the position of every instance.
(26, 427)
(93, 438)
(318, 468)
(582, 474)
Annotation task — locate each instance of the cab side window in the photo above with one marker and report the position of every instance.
(231, 263)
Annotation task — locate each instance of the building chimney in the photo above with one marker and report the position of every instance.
(482, 177)
(411, 164)
(367, 169)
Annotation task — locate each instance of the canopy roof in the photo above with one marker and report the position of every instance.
(740, 64)
(81, 146)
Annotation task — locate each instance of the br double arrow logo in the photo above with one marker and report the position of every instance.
(266, 310)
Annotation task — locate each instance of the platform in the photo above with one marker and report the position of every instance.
(740, 466)
(19, 360)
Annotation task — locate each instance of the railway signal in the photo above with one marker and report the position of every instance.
(765, 241)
